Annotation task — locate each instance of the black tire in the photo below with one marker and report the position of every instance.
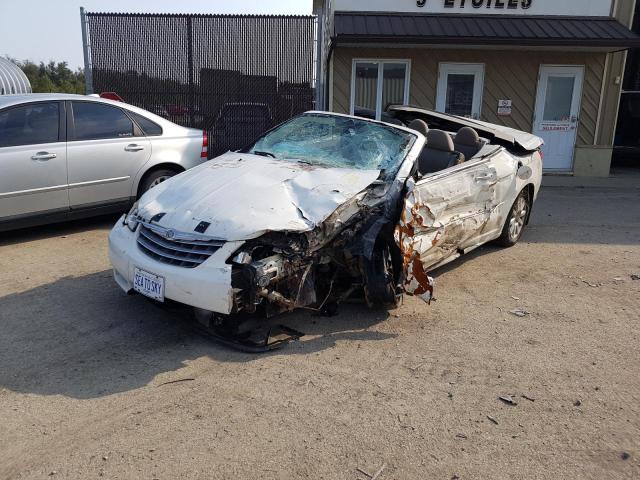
(380, 278)
(153, 178)
(516, 220)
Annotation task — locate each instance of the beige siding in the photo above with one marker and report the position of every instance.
(509, 74)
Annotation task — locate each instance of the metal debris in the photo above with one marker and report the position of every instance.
(492, 420)
(375, 475)
(379, 472)
(177, 381)
(508, 399)
(461, 435)
(526, 397)
(635, 276)
(519, 312)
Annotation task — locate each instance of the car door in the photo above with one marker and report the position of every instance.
(105, 151)
(443, 215)
(33, 160)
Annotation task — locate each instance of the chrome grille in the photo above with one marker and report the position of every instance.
(176, 248)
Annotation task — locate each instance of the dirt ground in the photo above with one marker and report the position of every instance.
(83, 368)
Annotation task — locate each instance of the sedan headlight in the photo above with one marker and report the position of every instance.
(131, 220)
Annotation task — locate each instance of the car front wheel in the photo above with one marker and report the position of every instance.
(516, 221)
(380, 278)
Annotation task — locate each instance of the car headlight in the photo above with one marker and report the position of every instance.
(131, 220)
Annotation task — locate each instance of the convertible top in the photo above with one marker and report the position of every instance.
(511, 136)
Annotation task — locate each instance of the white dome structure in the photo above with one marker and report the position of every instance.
(12, 79)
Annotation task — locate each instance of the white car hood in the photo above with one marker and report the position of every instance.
(244, 196)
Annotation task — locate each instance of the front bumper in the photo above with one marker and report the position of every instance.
(207, 286)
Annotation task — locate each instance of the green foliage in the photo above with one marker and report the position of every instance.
(52, 77)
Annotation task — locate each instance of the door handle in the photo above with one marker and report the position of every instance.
(43, 156)
(133, 148)
(485, 177)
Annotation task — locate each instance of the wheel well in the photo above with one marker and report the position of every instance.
(155, 168)
(531, 191)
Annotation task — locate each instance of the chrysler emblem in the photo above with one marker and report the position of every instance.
(169, 234)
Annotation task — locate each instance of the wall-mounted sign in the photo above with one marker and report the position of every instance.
(582, 8)
(553, 127)
(504, 108)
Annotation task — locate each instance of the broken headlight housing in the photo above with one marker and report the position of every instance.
(131, 220)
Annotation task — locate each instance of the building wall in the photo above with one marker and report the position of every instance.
(509, 74)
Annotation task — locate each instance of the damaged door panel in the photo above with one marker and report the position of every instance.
(442, 215)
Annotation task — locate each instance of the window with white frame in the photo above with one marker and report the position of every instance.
(376, 84)
(460, 87)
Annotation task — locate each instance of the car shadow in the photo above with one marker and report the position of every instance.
(83, 338)
(41, 232)
(594, 216)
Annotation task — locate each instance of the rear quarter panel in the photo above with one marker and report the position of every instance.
(179, 147)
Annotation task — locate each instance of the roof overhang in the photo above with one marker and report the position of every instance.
(482, 30)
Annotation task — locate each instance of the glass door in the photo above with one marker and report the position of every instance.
(557, 112)
(460, 89)
(376, 84)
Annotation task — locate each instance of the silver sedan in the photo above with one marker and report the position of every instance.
(69, 156)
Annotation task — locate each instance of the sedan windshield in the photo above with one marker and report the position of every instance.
(335, 141)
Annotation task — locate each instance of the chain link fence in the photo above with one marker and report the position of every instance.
(232, 75)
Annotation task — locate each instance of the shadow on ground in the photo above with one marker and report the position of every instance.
(104, 222)
(585, 216)
(83, 338)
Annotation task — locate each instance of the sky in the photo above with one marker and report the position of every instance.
(43, 30)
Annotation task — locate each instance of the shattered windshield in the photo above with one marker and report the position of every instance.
(340, 142)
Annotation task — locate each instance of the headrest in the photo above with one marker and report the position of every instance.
(467, 136)
(419, 126)
(439, 140)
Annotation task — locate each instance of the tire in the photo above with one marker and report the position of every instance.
(153, 178)
(380, 278)
(516, 221)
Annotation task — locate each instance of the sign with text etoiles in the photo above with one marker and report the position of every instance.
(579, 8)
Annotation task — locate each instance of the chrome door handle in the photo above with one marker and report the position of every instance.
(133, 148)
(485, 177)
(43, 156)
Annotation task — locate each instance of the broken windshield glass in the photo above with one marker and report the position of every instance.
(335, 141)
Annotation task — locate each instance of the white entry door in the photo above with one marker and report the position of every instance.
(557, 112)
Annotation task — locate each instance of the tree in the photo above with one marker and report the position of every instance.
(52, 77)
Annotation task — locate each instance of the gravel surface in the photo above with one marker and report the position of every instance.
(417, 389)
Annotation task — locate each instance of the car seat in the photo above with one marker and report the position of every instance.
(419, 126)
(467, 142)
(439, 153)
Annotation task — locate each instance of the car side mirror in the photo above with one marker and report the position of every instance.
(525, 172)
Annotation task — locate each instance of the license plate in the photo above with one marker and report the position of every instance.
(148, 284)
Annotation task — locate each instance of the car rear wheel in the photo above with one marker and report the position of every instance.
(155, 178)
(516, 221)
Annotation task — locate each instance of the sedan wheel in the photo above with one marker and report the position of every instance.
(154, 179)
(159, 180)
(518, 218)
(516, 221)
(380, 278)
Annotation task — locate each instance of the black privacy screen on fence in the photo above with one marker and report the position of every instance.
(234, 76)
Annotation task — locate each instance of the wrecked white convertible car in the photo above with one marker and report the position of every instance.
(326, 206)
